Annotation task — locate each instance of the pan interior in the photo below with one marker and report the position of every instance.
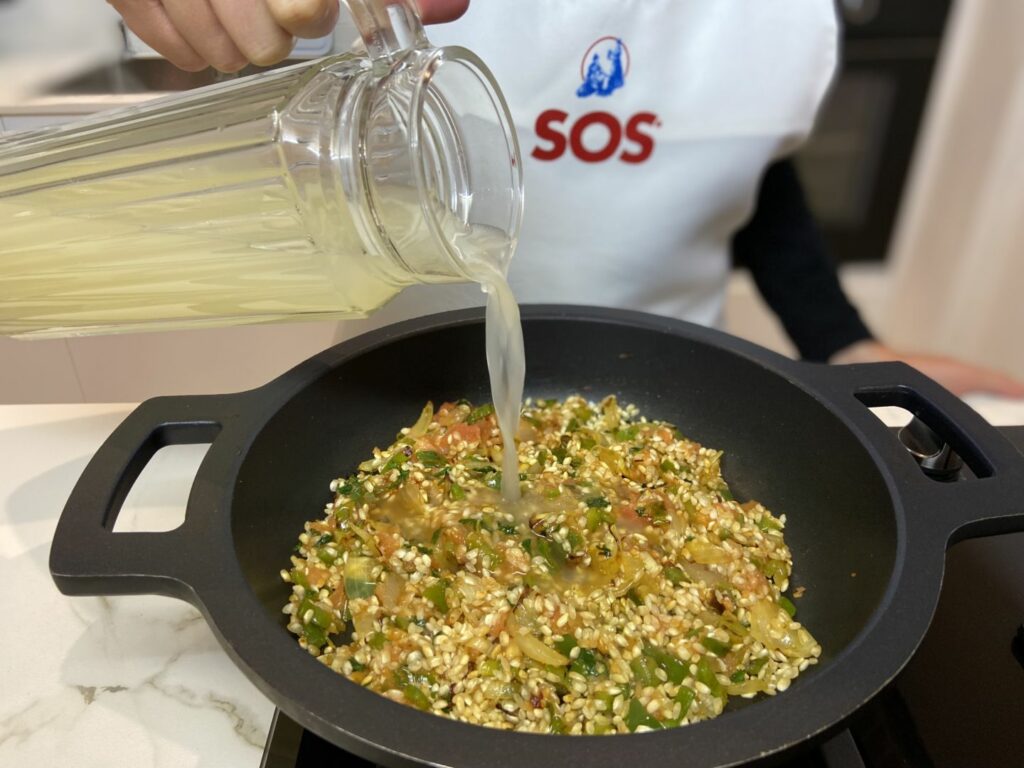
(782, 447)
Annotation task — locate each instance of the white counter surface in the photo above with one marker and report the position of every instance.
(121, 681)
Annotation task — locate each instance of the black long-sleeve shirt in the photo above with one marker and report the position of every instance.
(784, 250)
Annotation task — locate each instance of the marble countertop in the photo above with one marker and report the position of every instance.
(134, 681)
(123, 681)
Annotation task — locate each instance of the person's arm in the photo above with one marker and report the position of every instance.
(229, 34)
(783, 248)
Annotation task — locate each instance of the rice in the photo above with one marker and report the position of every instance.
(627, 591)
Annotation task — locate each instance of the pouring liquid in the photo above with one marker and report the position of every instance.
(506, 363)
(506, 358)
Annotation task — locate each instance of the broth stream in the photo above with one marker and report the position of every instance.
(506, 360)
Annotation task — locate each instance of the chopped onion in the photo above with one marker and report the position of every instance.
(359, 581)
(706, 553)
(534, 648)
(700, 573)
(772, 626)
(363, 623)
(419, 429)
(754, 685)
(390, 590)
(631, 570)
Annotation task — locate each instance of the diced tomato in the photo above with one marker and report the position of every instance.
(627, 515)
(458, 433)
(317, 576)
(388, 543)
(337, 597)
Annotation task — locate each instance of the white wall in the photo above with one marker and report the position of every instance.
(958, 282)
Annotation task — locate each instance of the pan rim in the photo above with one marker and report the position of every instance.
(896, 626)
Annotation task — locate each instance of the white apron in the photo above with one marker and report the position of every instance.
(645, 126)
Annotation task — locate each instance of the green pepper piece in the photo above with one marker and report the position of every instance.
(430, 459)
(566, 644)
(314, 634)
(715, 645)
(707, 676)
(675, 575)
(738, 676)
(638, 715)
(754, 667)
(575, 540)
(626, 433)
(326, 557)
(377, 640)
(589, 663)
(644, 671)
(357, 666)
(787, 605)
(480, 413)
(416, 697)
(597, 502)
(584, 413)
(605, 698)
(321, 617)
(395, 461)
(298, 576)
(685, 697)
(305, 605)
(436, 593)
(457, 493)
(674, 668)
(726, 494)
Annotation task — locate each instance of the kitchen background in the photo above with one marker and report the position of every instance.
(916, 173)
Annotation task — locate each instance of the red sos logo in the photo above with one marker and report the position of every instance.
(598, 136)
(595, 136)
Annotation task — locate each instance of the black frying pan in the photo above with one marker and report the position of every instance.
(867, 528)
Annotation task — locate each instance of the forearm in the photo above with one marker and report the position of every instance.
(783, 249)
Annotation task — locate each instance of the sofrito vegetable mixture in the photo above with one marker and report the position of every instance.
(627, 591)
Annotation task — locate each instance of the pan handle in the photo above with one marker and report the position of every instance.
(87, 557)
(992, 502)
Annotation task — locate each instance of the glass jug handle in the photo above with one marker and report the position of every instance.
(389, 28)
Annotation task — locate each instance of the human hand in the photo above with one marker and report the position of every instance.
(958, 377)
(229, 34)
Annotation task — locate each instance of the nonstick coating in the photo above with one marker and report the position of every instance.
(867, 530)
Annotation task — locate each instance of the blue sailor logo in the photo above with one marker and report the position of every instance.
(604, 67)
